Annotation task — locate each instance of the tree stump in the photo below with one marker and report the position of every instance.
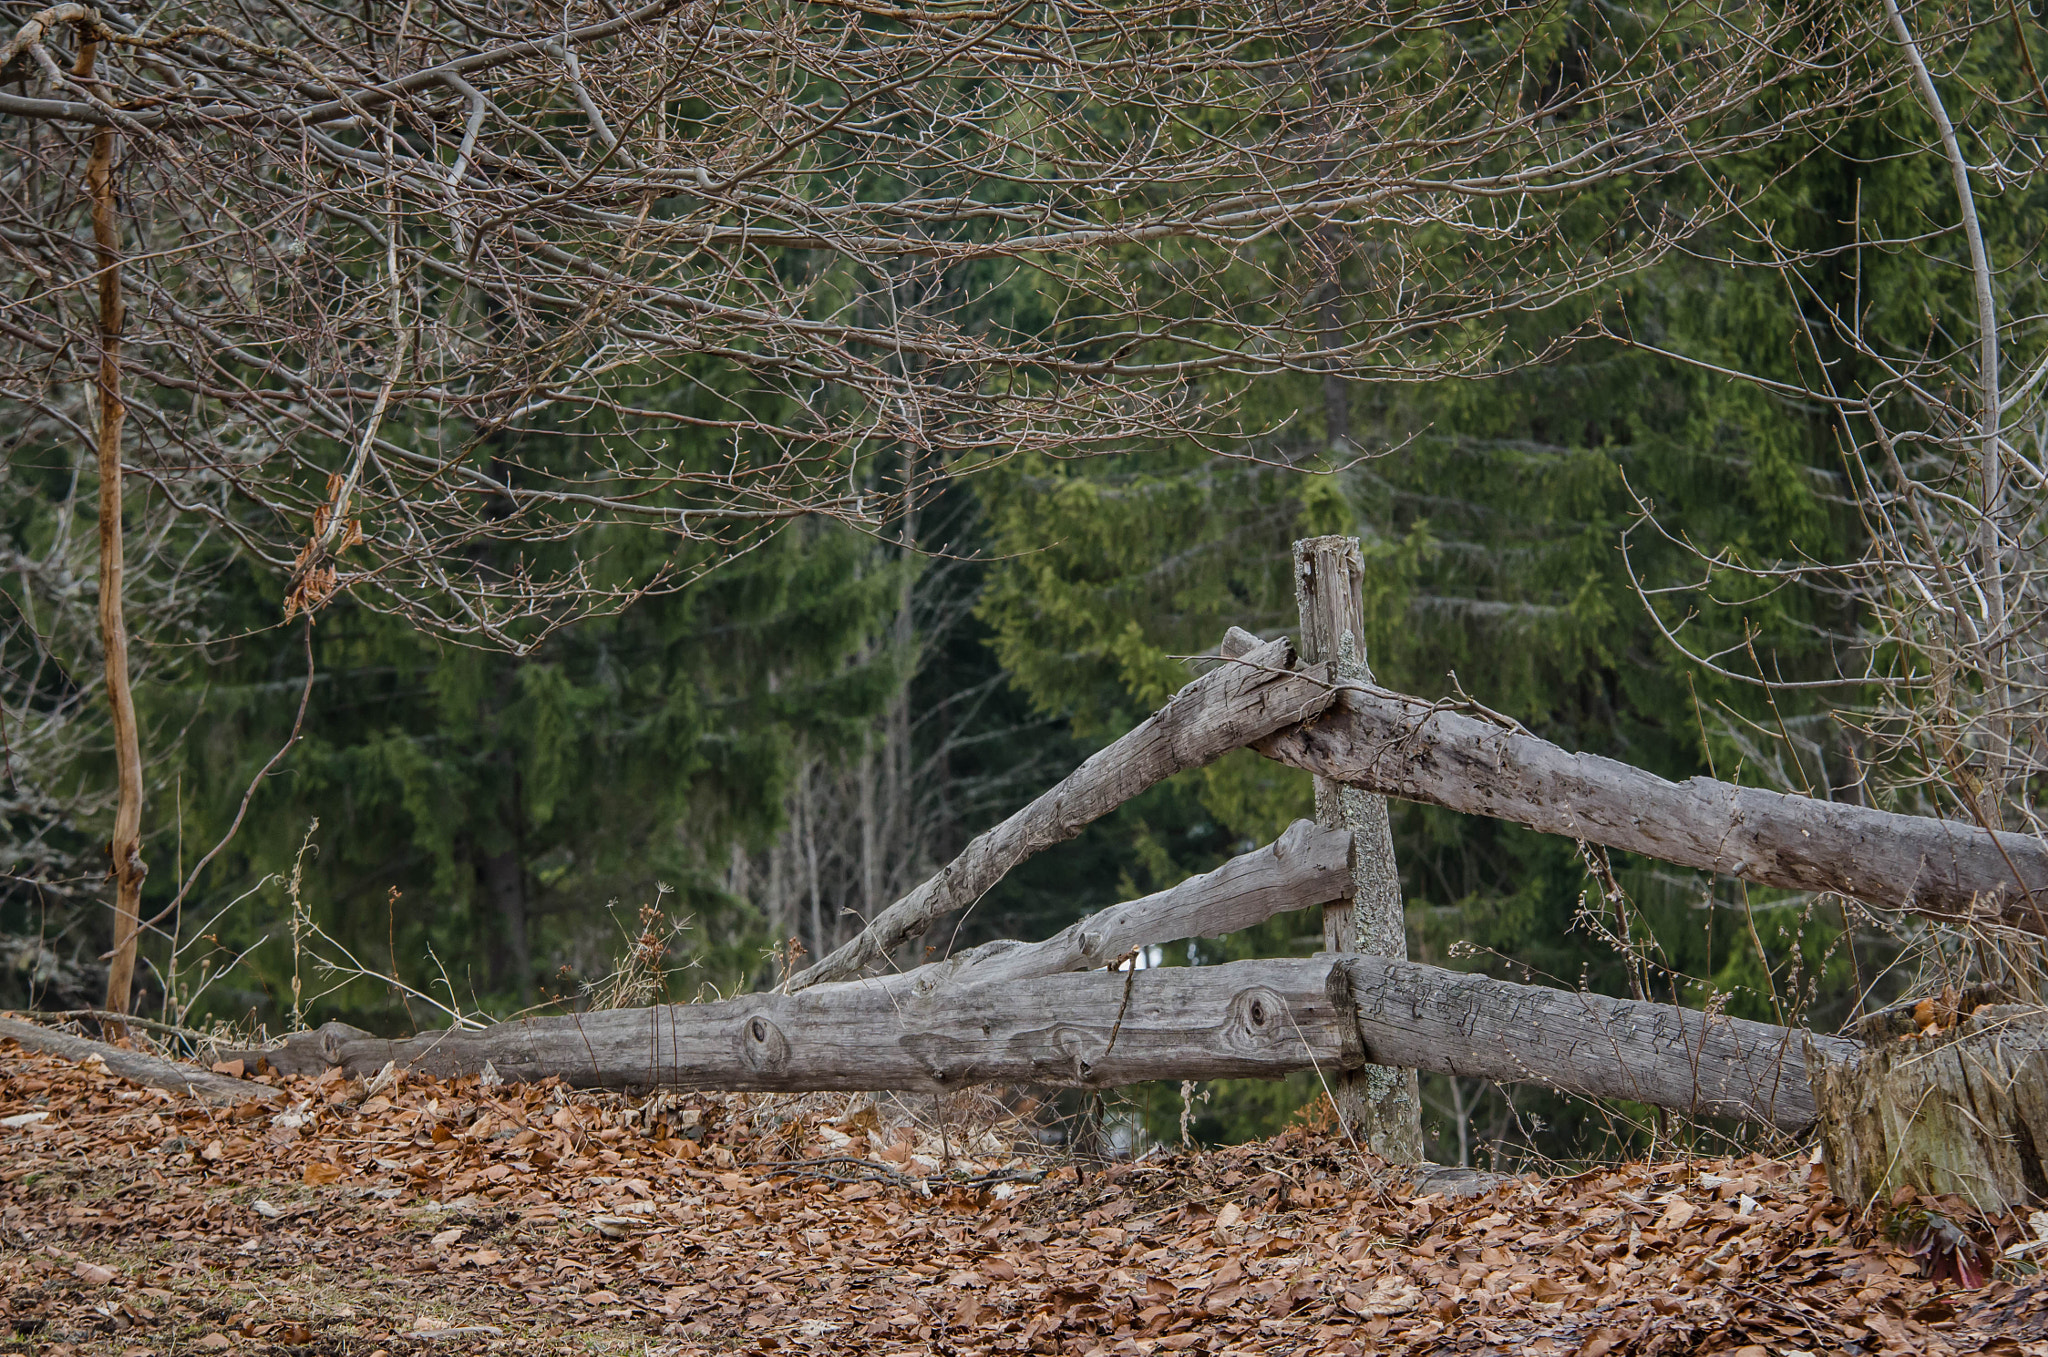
(1945, 1095)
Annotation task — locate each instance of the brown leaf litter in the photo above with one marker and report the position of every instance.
(414, 1216)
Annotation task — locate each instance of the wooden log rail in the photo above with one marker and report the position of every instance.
(1095, 1029)
(1252, 694)
(1307, 865)
(1395, 745)
(1038, 1013)
(1453, 1022)
(1047, 1013)
(147, 1070)
(1407, 747)
(1090, 1029)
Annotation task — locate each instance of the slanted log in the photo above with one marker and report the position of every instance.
(1307, 865)
(1961, 1109)
(1226, 709)
(1403, 746)
(138, 1068)
(1091, 1029)
(1451, 1022)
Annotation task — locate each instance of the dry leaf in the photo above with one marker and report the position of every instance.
(1244, 1249)
(1392, 1296)
(1677, 1215)
(1600, 1342)
(320, 1173)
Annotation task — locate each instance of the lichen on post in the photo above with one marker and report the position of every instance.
(1381, 1105)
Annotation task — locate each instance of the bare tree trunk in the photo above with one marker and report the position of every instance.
(504, 881)
(1382, 1105)
(126, 845)
(807, 844)
(1996, 641)
(870, 848)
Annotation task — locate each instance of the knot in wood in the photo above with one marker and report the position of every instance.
(762, 1046)
(1258, 1017)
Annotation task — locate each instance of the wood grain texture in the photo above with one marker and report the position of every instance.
(1403, 746)
(148, 1070)
(1450, 1022)
(1963, 1112)
(1232, 705)
(1382, 1106)
(1249, 1019)
(1305, 866)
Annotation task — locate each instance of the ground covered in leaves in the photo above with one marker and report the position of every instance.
(428, 1217)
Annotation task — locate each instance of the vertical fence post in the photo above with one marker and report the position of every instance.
(1381, 1106)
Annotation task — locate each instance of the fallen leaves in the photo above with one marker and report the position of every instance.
(92, 1274)
(451, 1214)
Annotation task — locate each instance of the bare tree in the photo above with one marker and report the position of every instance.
(1943, 675)
(333, 269)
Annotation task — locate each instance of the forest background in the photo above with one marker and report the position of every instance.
(746, 767)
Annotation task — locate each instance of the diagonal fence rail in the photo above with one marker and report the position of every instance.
(1050, 1013)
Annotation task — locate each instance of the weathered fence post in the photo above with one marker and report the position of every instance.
(1381, 1105)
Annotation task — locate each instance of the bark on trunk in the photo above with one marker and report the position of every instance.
(126, 843)
(1404, 746)
(1380, 1104)
(1093, 1029)
(1961, 1110)
(1225, 709)
(503, 876)
(1450, 1022)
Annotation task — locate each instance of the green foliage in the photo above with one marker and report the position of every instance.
(484, 808)
(1505, 548)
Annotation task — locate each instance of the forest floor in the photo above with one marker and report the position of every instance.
(449, 1218)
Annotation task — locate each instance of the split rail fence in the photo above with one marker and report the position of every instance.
(1055, 1012)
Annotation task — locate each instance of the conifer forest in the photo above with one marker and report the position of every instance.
(517, 515)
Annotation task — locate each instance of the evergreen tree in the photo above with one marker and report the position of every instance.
(509, 814)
